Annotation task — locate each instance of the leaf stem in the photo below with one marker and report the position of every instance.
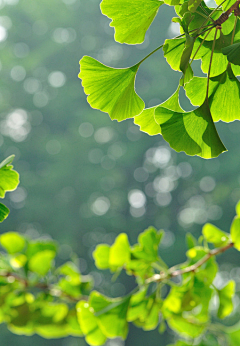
(210, 62)
(159, 47)
(200, 45)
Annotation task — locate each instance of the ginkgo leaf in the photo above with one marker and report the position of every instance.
(192, 132)
(130, 18)
(219, 61)
(147, 123)
(233, 53)
(224, 91)
(110, 90)
(173, 50)
(193, 5)
(146, 120)
(225, 4)
(4, 211)
(9, 179)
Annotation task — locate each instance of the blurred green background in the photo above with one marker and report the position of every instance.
(84, 178)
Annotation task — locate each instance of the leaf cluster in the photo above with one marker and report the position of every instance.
(211, 35)
(39, 296)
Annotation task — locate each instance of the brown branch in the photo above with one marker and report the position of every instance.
(173, 273)
(224, 16)
(55, 292)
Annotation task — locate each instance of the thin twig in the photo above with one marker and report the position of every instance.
(173, 272)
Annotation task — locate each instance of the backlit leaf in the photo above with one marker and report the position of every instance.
(101, 256)
(88, 323)
(9, 179)
(111, 314)
(4, 211)
(133, 20)
(119, 252)
(192, 132)
(214, 235)
(41, 262)
(235, 232)
(224, 91)
(110, 90)
(12, 242)
(225, 299)
(146, 120)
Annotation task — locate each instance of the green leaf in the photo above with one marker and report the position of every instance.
(18, 261)
(233, 53)
(226, 295)
(147, 123)
(88, 323)
(137, 306)
(101, 256)
(72, 273)
(133, 20)
(235, 232)
(226, 4)
(146, 120)
(190, 240)
(147, 248)
(193, 5)
(35, 246)
(192, 132)
(111, 314)
(186, 326)
(214, 235)
(9, 179)
(219, 61)
(238, 208)
(111, 90)
(4, 211)
(41, 262)
(119, 252)
(224, 90)
(173, 50)
(12, 242)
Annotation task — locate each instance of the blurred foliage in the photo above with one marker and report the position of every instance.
(85, 179)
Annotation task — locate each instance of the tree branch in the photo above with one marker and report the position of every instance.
(173, 273)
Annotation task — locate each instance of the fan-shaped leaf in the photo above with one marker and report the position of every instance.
(224, 92)
(110, 90)
(9, 179)
(233, 53)
(192, 132)
(88, 323)
(146, 120)
(130, 18)
(225, 299)
(4, 211)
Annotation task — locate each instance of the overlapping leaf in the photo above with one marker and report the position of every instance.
(224, 91)
(130, 18)
(146, 120)
(233, 53)
(110, 90)
(192, 132)
(111, 314)
(9, 179)
(225, 299)
(214, 235)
